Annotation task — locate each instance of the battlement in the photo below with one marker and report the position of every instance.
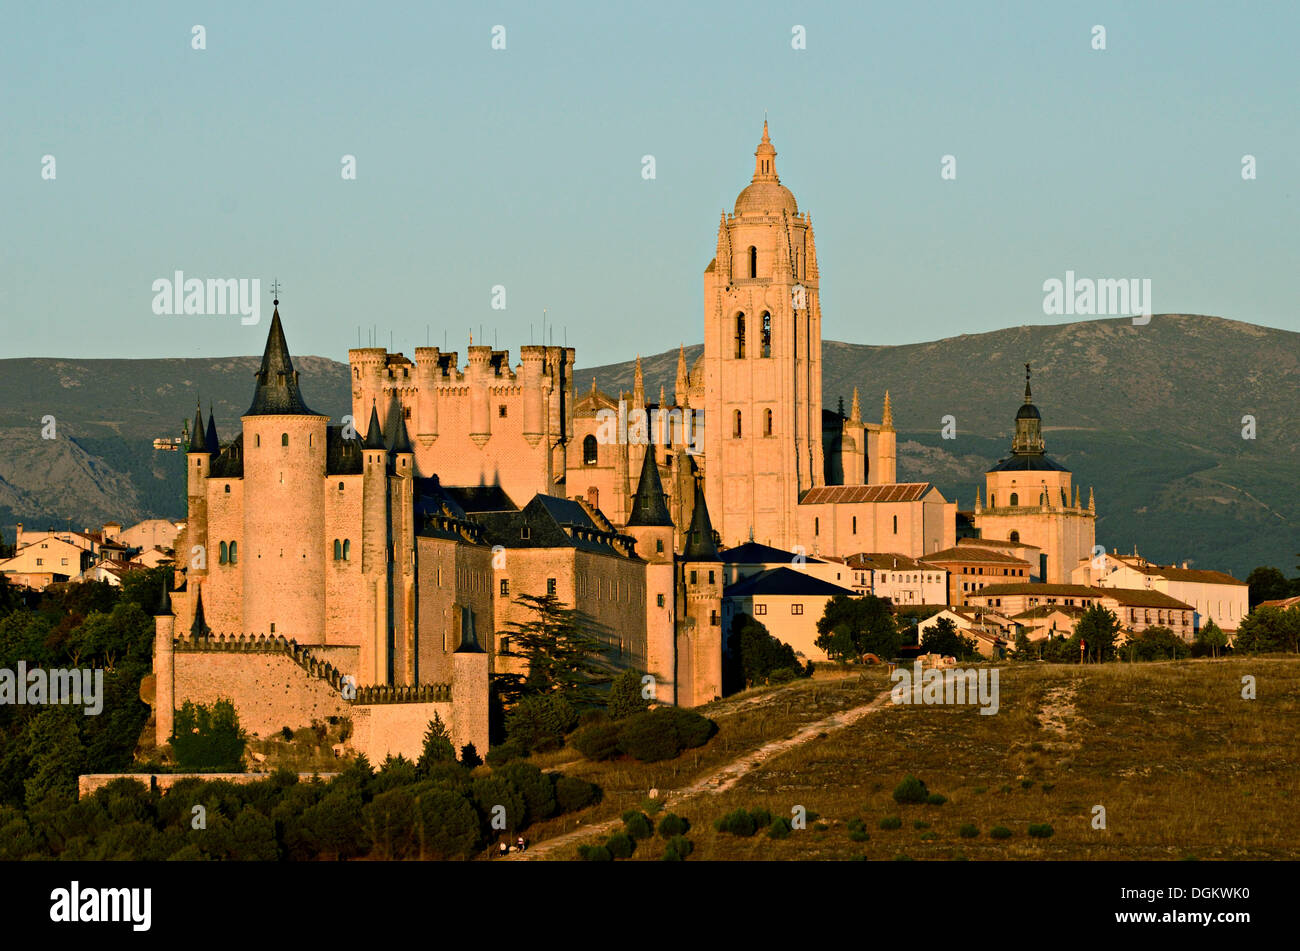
(435, 364)
(424, 693)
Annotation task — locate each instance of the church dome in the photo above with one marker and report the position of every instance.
(1029, 411)
(765, 195)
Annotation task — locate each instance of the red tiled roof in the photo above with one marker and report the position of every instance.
(1133, 597)
(974, 554)
(890, 492)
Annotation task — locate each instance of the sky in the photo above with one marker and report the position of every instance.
(522, 167)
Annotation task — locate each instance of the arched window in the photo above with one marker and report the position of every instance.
(347, 549)
(338, 550)
(234, 553)
(589, 451)
(227, 488)
(767, 422)
(766, 337)
(1014, 536)
(753, 261)
(593, 496)
(736, 428)
(284, 439)
(740, 336)
(1015, 499)
(340, 486)
(224, 553)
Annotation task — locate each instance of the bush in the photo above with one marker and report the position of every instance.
(673, 825)
(649, 737)
(446, 824)
(505, 752)
(909, 790)
(208, 738)
(537, 789)
(469, 757)
(681, 845)
(859, 836)
(572, 793)
(598, 741)
(738, 822)
(594, 853)
(780, 828)
(890, 822)
(936, 799)
(999, 832)
(540, 722)
(625, 697)
(621, 845)
(920, 824)
(968, 831)
(1041, 830)
(693, 730)
(637, 824)
(489, 792)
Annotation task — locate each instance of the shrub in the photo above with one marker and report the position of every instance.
(968, 831)
(625, 695)
(1041, 830)
(999, 832)
(681, 845)
(738, 822)
(621, 845)
(780, 828)
(673, 825)
(488, 792)
(649, 737)
(860, 836)
(891, 822)
(936, 799)
(693, 730)
(857, 825)
(537, 789)
(637, 824)
(286, 733)
(671, 855)
(446, 824)
(469, 757)
(927, 836)
(1026, 784)
(505, 752)
(437, 745)
(540, 722)
(910, 789)
(820, 827)
(598, 741)
(920, 824)
(572, 793)
(594, 853)
(761, 817)
(208, 737)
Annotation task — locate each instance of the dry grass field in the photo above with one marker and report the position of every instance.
(1182, 764)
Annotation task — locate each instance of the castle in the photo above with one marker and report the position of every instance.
(371, 571)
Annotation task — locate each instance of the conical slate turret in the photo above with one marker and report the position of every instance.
(277, 392)
(699, 540)
(374, 434)
(649, 505)
(210, 438)
(200, 626)
(197, 438)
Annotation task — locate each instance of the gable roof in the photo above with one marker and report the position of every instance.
(974, 554)
(755, 553)
(785, 581)
(887, 561)
(889, 492)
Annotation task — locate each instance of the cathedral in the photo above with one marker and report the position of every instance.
(370, 570)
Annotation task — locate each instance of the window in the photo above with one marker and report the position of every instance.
(40, 561)
(406, 410)
(895, 524)
(227, 488)
(505, 587)
(710, 576)
(589, 451)
(693, 577)
(736, 427)
(525, 533)
(855, 525)
(501, 411)
(340, 486)
(796, 609)
(1015, 499)
(234, 553)
(660, 600)
(284, 439)
(740, 336)
(817, 526)
(550, 586)
(765, 339)
(713, 618)
(347, 549)
(760, 609)
(659, 545)
(753, 261)
(338, 550)
(63, 561)
(1014, 536)
(767, 422)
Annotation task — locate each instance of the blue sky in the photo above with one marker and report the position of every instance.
(522, 167)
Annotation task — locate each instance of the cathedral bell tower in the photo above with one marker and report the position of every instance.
(762, 363)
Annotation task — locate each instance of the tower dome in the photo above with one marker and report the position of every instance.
(765, 195)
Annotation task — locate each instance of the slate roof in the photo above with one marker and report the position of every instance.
(1029, 462)
(550, 522)
(754, 553)
(650, 504)
(785, 581)
(889, 492)
(277, 393)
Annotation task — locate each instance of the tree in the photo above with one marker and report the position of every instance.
(1157, 643)
(625, 696)
(754, 655)
(1024, 649)
(1268, 628)
(561, 649)
(943, 638)
(1211, 636)
(1267, 584)
(57, 756)
(208, 737)
(438, 747)
(870, 622)
(1097, 628)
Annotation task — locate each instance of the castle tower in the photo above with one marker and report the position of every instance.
(700, 635)
(375, 660)
(762, 362)
(1030, 501)
(401, 492)
(198, 462)
(284, 502)
(164, 673)
(652, 527)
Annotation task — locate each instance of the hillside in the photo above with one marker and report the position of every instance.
(1149, 415)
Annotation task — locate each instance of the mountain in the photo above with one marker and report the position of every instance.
(1151, 416)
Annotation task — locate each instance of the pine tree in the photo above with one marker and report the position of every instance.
(562, 652)
(438, 747)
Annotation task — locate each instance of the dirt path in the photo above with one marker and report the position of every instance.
(721, 779)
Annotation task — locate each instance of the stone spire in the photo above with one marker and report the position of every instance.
(855, 409)
(979, 505)
(200, 626)
(887, 414)
(1092, 501)
(401, 438)
(649, 505)
(213, 443)
(165, 607)
(683, 380)
(638, 384)
(699, 540)
(197, 439)
(277, 392)
(765, 159)
(1029, 426)
(663, 397)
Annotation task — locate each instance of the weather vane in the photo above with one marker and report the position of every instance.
(275, 293)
